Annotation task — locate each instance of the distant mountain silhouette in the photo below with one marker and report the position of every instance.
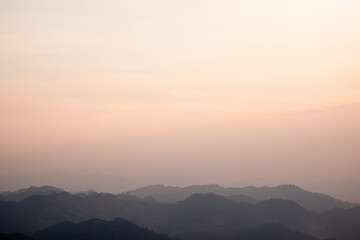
(200, 216)
(37, 212)
(120, 229)
(168, 194)
(209, 216)
(313, 201)
(225, 217)
(96, 229)
(28, 192)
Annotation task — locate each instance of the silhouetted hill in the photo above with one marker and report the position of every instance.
(209, 213)
(313, 201)
(207, 216)
(96, 229)
(342, 223)
(28, 192)
(208, 209)
(285, 212)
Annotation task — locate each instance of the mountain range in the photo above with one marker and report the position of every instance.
(93, 229)
(120, 229)
(199, 216)
(313, 201)
(28, 192)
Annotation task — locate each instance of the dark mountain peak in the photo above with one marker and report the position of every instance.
(198, 197)
(96, 229)
(206, 200)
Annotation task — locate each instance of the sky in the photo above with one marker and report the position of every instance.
(113, 95)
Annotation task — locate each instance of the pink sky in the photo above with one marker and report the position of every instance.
(118, 94)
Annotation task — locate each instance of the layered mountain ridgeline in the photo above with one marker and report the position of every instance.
(167, 194)
(212, 216)
(96, 229)
(38, 211)
(200, 216)
(93, 229)
(28, 192)
(313, 201)
(120, 229)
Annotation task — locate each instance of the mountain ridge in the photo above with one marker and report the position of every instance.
(201, 214)
(313, 201)
(97, 229)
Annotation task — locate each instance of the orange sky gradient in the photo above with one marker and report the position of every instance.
(113, 95)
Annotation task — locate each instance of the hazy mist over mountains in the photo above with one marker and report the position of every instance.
(180, 120)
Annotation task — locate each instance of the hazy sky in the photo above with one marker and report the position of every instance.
(112, 95)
